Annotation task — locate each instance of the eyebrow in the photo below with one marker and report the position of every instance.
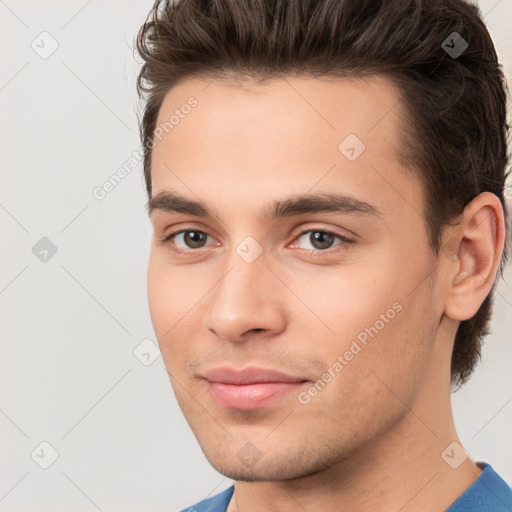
(171, 202)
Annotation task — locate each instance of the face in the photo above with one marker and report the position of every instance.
(289, 304)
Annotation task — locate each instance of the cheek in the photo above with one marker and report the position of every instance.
(171, 292)
(374, 320)
(168, 304)
(348, 300)
(393, 360)
(158, 294)
(374, 379)
(174, 294)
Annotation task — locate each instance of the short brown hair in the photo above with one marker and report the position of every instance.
(456, 104)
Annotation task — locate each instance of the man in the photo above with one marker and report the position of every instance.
(325, 182)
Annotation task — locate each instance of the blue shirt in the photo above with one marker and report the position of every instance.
(488, 493)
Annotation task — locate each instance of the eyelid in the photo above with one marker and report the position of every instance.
(306, 229)
(345, 240)
(167, 239)
(314, 226)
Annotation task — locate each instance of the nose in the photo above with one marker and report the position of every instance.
(248, 299)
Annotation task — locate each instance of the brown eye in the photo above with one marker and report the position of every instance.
(321, 240)
(187, 239)
(194, 239)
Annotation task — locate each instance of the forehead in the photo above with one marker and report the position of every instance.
(306, 107)
(293, 135)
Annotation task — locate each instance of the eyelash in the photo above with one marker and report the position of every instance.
(344, 241)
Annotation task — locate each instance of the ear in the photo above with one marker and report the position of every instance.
(476, 247)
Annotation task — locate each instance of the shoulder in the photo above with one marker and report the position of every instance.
(217, 503)
(488, 492)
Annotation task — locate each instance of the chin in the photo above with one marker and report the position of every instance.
(274, 467)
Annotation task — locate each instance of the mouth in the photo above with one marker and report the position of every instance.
(249, 388)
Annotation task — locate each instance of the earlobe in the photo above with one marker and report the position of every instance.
(480, 241)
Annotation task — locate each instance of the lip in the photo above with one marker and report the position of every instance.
(249, 388)
(250, 375)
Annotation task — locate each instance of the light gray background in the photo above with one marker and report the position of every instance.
(69, 376)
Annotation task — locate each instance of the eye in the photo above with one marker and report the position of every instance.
(191, 240)
(187, 239)
(320, 240)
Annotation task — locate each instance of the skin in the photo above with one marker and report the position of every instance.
(373, 438)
